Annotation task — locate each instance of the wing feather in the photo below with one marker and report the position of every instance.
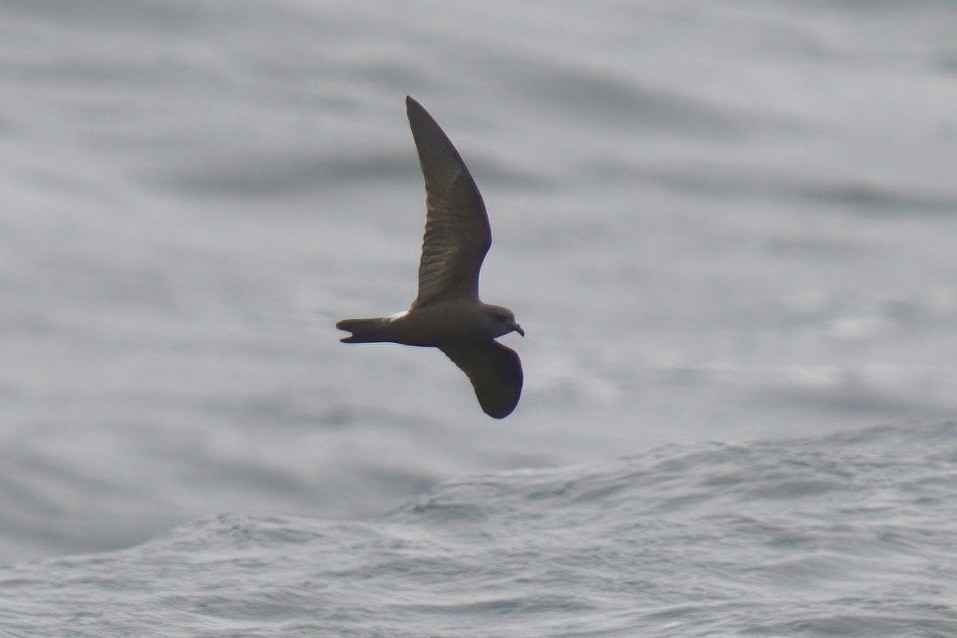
(457, 231)
(494, 370)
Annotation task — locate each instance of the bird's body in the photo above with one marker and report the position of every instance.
(447, 313)
(429, 325)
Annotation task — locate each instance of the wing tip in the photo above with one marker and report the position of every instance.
(412, 105)
(499, 413)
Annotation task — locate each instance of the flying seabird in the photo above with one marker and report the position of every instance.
(447, 313)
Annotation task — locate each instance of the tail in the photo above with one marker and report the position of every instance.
(364, 330)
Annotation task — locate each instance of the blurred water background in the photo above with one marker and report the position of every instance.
(727, 227)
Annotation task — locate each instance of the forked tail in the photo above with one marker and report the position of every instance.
(364, 330)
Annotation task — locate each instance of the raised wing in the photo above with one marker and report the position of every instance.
(494, 370)
(457, 232)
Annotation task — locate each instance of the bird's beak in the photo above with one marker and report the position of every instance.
(517, 328)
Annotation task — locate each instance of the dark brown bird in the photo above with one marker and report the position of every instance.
(447, 313)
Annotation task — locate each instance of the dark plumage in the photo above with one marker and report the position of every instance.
(447, 313)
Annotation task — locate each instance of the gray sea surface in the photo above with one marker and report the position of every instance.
(727, 227)
(849, 534)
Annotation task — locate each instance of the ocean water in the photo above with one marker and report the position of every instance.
(726, 227)
(849, 534)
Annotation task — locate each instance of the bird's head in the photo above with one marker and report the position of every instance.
(501, 321)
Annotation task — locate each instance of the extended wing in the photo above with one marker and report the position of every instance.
(457, 232)
(494, 370)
